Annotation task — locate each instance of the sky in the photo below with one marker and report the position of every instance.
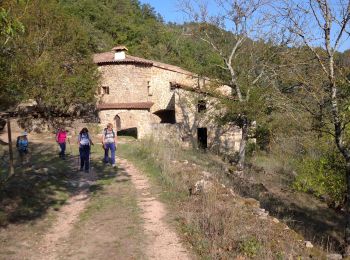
(170, 12)
(168, 9)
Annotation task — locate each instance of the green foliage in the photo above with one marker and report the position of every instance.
(263, 136)
(50, 62)
(9, 25)
(250, 247)
(323, 174)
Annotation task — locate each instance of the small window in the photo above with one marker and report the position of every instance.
(149, 89)
(105, 90)
(201, 106)
(172, 86)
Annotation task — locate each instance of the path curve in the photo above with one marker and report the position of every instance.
(163, 242)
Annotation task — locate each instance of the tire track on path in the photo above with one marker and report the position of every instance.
(163, 243)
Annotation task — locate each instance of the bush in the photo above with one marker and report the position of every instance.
(323, 175)
(250, 247)
(263, 136)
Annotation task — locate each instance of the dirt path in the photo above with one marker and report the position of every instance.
(124, 221)
(163, 243)
(67, 216)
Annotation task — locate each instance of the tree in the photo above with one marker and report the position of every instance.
(10, 28)
(231, 29)
(50, 62)
(321, 26)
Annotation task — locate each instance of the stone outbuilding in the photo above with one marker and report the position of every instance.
(146, 97)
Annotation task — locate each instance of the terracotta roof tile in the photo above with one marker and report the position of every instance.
(119, 48)
(137, 105)
(108, 58)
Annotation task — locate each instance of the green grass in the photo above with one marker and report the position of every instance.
(39, 185)
(96, 205)
(153, 169)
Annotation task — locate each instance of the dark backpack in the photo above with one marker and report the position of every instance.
(106, 132)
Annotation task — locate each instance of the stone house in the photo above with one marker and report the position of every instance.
(152, 98)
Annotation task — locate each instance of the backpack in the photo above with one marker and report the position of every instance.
(84, 139)
(106, 132)
(22, 145)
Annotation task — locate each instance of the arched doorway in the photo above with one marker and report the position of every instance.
(118, 122)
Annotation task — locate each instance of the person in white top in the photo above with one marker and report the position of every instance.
(84, 142)
(109, 142)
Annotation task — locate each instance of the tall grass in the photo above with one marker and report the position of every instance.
(216, 224)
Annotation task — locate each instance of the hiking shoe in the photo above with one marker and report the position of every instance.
(114, 165)
(86, 171)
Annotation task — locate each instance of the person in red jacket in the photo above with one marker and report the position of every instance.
(61, 137)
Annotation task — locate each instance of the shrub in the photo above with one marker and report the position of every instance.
(323, 175)
(250, 247)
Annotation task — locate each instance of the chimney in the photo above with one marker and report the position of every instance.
(119, 52)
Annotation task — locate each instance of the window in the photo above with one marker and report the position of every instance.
(149, 89)
(105, 90)
(201, 106)
(172, 86)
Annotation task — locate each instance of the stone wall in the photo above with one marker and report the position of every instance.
(159, 83)
(221, 139)
(129, 83)
(126, 82)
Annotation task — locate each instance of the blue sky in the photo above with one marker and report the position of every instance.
(170, 12)
(167, 9)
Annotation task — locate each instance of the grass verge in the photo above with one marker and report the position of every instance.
(217, 224)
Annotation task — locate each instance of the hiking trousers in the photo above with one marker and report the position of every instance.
(84, 151)
(63, 149)
(110, 146)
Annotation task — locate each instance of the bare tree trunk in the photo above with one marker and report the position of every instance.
(243, 144)
(11, 167)
(347, 209)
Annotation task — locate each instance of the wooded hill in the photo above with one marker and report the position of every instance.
(298, 93)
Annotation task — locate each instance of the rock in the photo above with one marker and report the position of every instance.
(334, 257)
(42, 170)
(207, 175)
(262, 213)
(251, 202)
(201, 186)
(238, 173)
(185, 162)
(308, 244)
(275, 220)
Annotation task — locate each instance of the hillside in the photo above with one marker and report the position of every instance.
(75, 215)
(290, 92)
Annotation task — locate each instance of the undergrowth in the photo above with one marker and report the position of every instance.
(216, 224)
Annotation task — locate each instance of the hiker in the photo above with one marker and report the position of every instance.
(84, 142)
(22, 146)
(61, 137)
(109, 142)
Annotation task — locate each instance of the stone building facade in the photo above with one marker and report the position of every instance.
(153, 98)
